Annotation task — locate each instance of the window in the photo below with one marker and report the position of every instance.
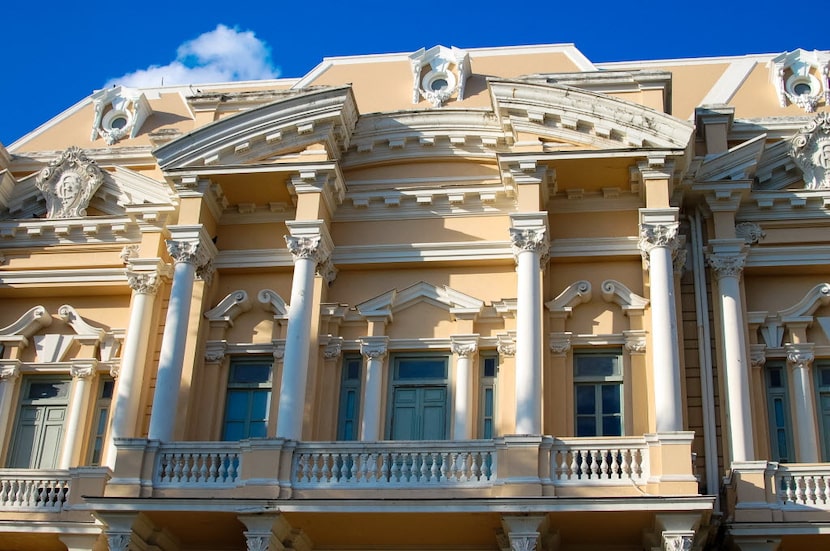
(100, 419)
(248, 399)
(823, 390)
(39, 428)
(598, 386)
(778, 410)
(487, 396)
(348, 417)
(418, 408)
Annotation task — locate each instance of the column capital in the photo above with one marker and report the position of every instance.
(333, 348)
(800, 356)
(560, 343)
(506, 345)
(757, 355)
(727, 264)
(143, 283)
(635, 341)
(529, 239)
(678, 541)
(83, 369)
(191, 245)
(464, 346)
(309, 239)
(9, 370)
(374, 348)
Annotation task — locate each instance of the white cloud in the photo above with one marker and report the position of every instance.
(221, 55)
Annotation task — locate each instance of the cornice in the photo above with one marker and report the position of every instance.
(96, 276)
(17, 234)
(789, 256)
(133, 156)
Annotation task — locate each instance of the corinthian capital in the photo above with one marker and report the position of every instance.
(658, 235)
(529, 239)
(9, 370)
(143, 283)
(464, 348)
(304, 247)
(187, 251)
(373, 349)
(800, 356)
(727, 265)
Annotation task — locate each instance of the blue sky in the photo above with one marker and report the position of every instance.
(54, 57)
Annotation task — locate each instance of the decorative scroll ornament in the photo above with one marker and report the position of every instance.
(9, 372)
(68, 184)
(724, 265)
(143, 283)
(215, 352)
(678, 542)
(83, 371)
(810, 149)
(506, 346)
(750, 232)
(679, 257)
(333, 349)
(115, 370)
(533, 240)
(304, 247)
(118, 542)
(635, 344)
(128, 252)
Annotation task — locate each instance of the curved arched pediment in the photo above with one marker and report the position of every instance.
(583, 118)
(289, 125)
(455, 302)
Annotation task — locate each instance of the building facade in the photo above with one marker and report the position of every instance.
(484, 299)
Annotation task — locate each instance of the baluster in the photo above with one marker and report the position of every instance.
(406, 466)
(178, 461)
(615, 463)
(326, 470)
(42, 494)
(625, 468)
(30, 496)
(563, 466)
(468, 467)
(788, 490)
(636, 464)
(315, 467)
(433, 467)
(422, 458)
(798, 482)
(21, 493)
(825, 489)
(4, 491)
(353, 468)
(363, 467)
(810, 483)
(574, 471)
(300, 474)
(603, 465)
(384, 468)
(446, 466)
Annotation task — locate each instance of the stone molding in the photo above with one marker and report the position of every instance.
(68, 184)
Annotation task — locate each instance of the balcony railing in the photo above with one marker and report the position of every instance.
(393, 464)
(49, 491)
(532, 465)
(803, 485)
(28, 490)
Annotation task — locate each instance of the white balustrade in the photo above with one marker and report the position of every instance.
(203, 464)
(33, 490)
(803, 485)
(393, 464)
(588, 461)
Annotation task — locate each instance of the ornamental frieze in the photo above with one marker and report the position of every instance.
(68, 184)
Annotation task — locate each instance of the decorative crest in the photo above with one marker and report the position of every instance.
(438, 73)
(68, 184)
(810, 149)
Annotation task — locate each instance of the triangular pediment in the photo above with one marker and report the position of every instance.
(320, 119)
(444, 297)
(557, 112)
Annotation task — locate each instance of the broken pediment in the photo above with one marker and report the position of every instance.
(593, 120)
(285, 127)
(455, 302)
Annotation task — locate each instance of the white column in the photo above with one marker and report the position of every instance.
(727, 262)
(188, 255)
(659, 241)
(464, 348)
(373, 350)
(800, 360)
(307, 253)
(82, 373)
(125, 406)
(9, 375)
(530, 244)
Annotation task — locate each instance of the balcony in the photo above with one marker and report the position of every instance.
(50, 495)
(766, 491)
(510, 466)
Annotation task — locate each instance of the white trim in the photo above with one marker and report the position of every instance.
(728, 83)
(98, 276)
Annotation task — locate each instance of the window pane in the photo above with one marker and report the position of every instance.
(421, 368)
(237, 406)
(585, 400)
(48, 390)
(610, 399)
(352, 370)
(825, 377)
(586, 426)
(250, 373)
(611, 426)
(775, 378)
(489, 367)
(595, 365)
